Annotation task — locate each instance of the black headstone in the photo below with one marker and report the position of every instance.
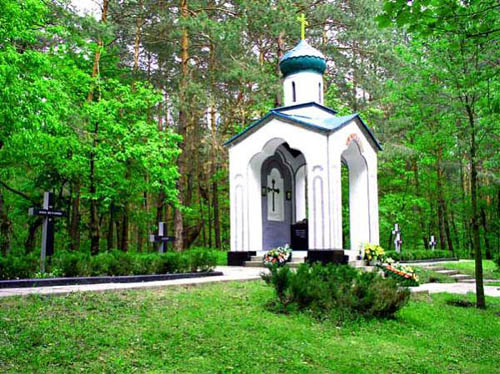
(299, 237)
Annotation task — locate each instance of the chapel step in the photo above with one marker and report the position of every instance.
(434, 268)
(259, 264)
(460, 277)
(294, 258)
(447, 272)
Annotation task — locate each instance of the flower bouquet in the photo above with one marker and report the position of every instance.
(278, 256)
(373, 253)
(405, 275)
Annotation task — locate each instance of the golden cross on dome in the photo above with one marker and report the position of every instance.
(303, 24)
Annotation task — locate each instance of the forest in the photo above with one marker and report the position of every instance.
(123, 114)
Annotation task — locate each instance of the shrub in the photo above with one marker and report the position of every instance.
(201, 260)
(339, 292)
(72, 264)
(16, 267)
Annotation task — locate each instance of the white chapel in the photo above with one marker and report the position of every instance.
(285, 172)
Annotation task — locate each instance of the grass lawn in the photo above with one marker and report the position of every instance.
(490, 270)
(225, 328)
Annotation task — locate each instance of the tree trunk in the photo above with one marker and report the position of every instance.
(119, 231)
(447, 228)
(110, 234)
(5, 228)
(417, 209)
(178, 220)
(278, 99)
(440, 201)
(480, 299)
(75, 218)
(215, 191)
(201, 215)
(29, 244)
(125, 228)
(486, 232)
(94, 219)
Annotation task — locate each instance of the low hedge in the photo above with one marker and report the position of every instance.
(74, 264)
(419, 255)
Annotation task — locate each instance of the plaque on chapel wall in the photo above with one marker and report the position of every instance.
(275, 196)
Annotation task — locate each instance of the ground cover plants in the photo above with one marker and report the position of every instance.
(72, 264)
(226, 328)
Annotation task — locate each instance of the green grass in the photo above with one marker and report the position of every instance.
(225, 328)
(490, 270)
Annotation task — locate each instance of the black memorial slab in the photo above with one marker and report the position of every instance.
(332, 256)
(48, 213)
(239, 258)
(299, 237)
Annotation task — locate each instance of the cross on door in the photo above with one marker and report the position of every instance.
(273, 190)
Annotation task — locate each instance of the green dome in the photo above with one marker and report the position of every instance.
(302, 58)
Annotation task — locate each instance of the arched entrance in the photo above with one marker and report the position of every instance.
(359, 198)
(283, 198)
(276, 178)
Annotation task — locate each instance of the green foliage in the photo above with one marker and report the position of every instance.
(338, 292)
(408, 255)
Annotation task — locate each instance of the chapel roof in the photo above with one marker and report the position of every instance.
(325, 123)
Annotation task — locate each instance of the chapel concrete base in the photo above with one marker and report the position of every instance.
(336, 256)
(239, 258)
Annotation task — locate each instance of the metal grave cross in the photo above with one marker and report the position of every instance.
(274, 191)
(303, 24)
(397, 238)
(49, 214)
(432, 242)
(162, 237)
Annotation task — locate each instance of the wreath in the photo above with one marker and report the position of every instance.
(278, 256)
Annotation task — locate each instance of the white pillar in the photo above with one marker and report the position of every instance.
(318, 204)
(373, 200)
(300, 194)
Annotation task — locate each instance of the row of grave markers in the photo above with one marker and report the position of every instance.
(398, 241)
(49, 214)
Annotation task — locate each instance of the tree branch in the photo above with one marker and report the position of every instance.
(22, 194)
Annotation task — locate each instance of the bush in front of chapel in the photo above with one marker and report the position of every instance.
(337, 292)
